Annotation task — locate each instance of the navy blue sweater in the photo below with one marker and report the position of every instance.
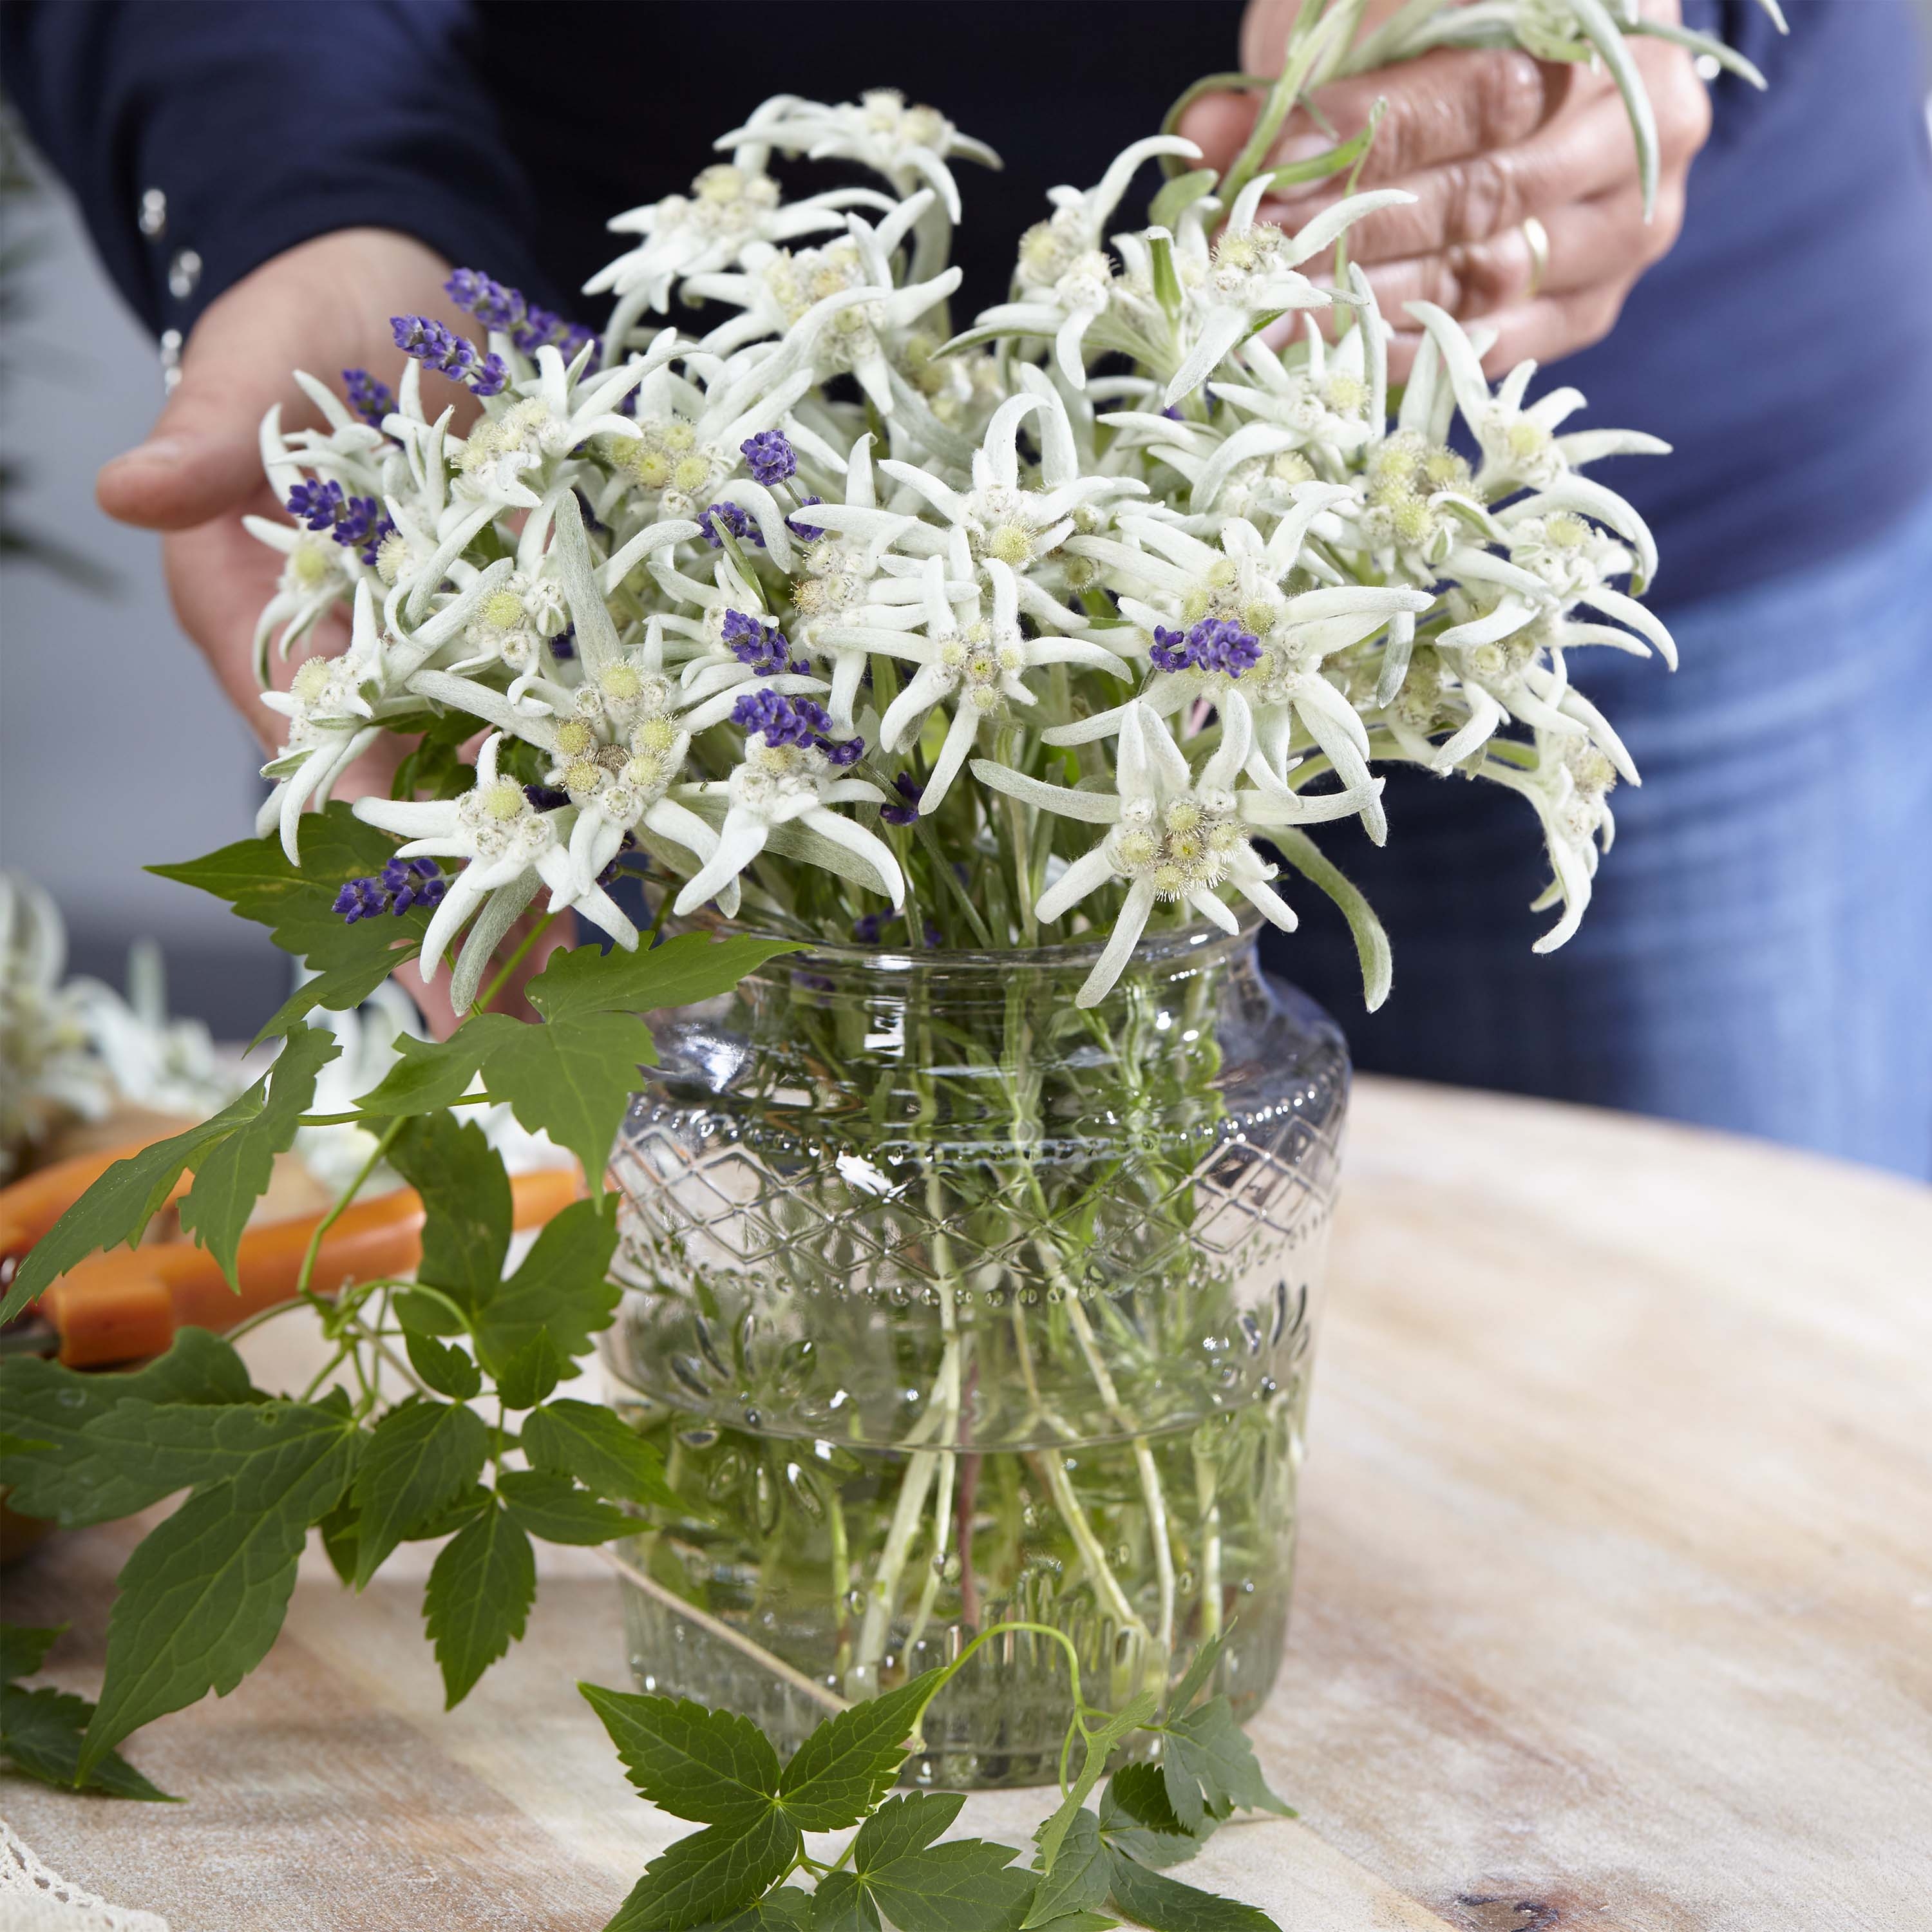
(1784, 347)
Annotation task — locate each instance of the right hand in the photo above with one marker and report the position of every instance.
(323, 307)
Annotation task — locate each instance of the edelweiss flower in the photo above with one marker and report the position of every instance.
(1175, 837)
(731, 205)
(791, 772)
(908, 145)
(1569, 786)
(505, 838)
(1240, 584)
(978, 663)
(557, 410)
(1249, 277)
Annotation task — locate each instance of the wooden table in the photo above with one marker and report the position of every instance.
(1614, 1607)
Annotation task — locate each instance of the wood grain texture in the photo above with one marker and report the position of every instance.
(1615, 1608)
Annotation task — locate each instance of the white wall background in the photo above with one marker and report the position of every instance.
(116, 749)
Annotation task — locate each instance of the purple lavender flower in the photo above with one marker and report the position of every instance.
(431, 344)
(729, 517)
(769, 457)
(316, 504)
(400, 884)
(371, 400)
(910, 789)
(762, 645)
(805, 532)
(505, 310)
(1170, 651)
(563, 646)
(842, 751)
(764, 714)
(1220, 644)
(546, 798)
(1214, 644)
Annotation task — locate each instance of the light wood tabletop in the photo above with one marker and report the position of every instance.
(1614, 1608)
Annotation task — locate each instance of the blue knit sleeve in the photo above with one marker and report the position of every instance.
(202, 137)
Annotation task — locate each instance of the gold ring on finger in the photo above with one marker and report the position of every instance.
(1536, 238)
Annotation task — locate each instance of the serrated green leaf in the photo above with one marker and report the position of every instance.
(690, 968)
(478, 1598)
(337, 1531)
(202, 1597)
(709, 1874)
(24, 1647)
(1166, 1905)
(40, 1733)
(235, 1174)
(563, 1288)
(848, 1763)
(842, 1904)
(122, 1203)
(531, 1373)
(1099, 1748)
(430, 1074)
(573, 1079)
(1209, 1768)
(585, 1440)
(297, 902)
(712, 1767)
(336, 990)
(1135, 1818)
(1206, 1656)
(553, 1506)
(1078, 1881)
(448, 1371)
(466, 1205)
(75, 1481)
(454, 1515)
(417, 1461)
(965, 1885)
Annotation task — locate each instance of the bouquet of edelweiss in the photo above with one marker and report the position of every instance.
(819, 610)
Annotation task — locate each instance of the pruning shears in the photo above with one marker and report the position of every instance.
(125, 1305)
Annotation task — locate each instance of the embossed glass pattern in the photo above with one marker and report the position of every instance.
(949, 1303)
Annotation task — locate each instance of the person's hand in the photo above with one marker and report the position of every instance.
(1484, 140)
(323, 307)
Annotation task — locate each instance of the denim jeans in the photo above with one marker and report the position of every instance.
(1758, 954)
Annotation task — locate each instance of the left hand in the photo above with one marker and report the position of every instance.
(1483, 139)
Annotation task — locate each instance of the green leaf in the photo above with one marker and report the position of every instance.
(963, 1885)
(480, 1588)
(690, 968)
(429, 1074)
(1209, 1768)
(1078, 1881)
(842, 1904)
(24, 1647)
(842, 1770)
(466, 1205)
(708, 1874)
(337, 990)
(122, 1203)
(574, 1079)
(203, 1595)
(1206, 1656)
(297, 903)
(453, 1515)
(712, 1767)
(418, 1459)
(1136, 1818)
(338, 1530)
(562, 1289)
(236, 1175)
(553, 1507)
(1099, 1748)
(531, 1373)
(448, 1371)
(1181, 193)
(1166, 1905)
(1373, 951)
(75, 1481)
(41, 1732)
(587, 1441)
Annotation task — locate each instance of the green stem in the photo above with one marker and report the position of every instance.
(516, 959)
(349, 1194)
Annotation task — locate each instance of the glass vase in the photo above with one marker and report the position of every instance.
(950, 1303)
